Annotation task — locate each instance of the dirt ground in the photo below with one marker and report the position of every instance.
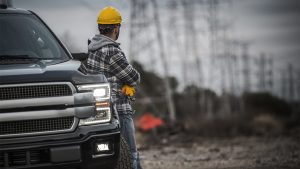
(238, 152)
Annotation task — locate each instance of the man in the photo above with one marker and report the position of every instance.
(106, 57)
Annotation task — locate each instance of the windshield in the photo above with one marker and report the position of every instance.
(24, 36)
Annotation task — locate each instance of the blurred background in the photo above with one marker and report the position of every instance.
(210, 69)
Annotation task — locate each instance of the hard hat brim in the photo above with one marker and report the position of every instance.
(110, 23)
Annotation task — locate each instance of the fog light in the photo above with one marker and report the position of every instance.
(102, 147)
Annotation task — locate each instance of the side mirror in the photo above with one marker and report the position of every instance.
(80, 56)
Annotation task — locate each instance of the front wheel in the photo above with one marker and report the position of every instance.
(125, 157)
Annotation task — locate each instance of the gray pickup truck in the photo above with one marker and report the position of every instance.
(52, 115)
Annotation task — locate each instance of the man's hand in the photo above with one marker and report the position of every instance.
(128, 90)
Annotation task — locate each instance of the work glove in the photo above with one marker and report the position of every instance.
(128, 90)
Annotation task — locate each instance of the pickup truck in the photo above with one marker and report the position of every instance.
(52, 115)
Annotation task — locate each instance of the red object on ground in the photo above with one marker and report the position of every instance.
(148, 122)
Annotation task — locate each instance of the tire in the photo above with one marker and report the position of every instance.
(125, 157)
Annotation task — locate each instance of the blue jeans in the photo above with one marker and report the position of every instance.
(128, 132)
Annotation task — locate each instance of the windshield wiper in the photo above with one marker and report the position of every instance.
(17, 59)
(13, 57)
(25, 57)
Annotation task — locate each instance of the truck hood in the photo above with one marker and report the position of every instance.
(47, 71)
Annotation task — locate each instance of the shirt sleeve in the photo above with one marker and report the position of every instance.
(120, 67)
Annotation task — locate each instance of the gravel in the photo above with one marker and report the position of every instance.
(238, 152)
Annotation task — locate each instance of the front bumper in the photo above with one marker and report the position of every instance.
(68, 150)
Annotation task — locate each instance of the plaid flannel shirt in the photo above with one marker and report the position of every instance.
(111, 61)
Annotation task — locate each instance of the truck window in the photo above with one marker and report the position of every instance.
(26, 35)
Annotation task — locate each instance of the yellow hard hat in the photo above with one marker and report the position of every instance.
(109, 15)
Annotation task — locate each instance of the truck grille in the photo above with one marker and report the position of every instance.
(36, 126)
(24, 158)
(34, 91)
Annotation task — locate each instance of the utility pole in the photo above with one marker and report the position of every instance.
(169, 93)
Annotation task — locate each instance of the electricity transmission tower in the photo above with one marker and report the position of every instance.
(262, 72)
(283, 81)
(235, 77)
(174, 36)
(192, 45)
(213, 25)
(191, 38)
(265, 73)
(298, 85)
(169, 92)
(270, 73)
(216, 57)
(291, 82)
(141, 23)
(246, 67)
(144, 17)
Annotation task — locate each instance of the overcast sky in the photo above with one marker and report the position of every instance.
(270, 26)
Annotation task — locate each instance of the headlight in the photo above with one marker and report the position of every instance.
(101, 93)
(103, 115)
